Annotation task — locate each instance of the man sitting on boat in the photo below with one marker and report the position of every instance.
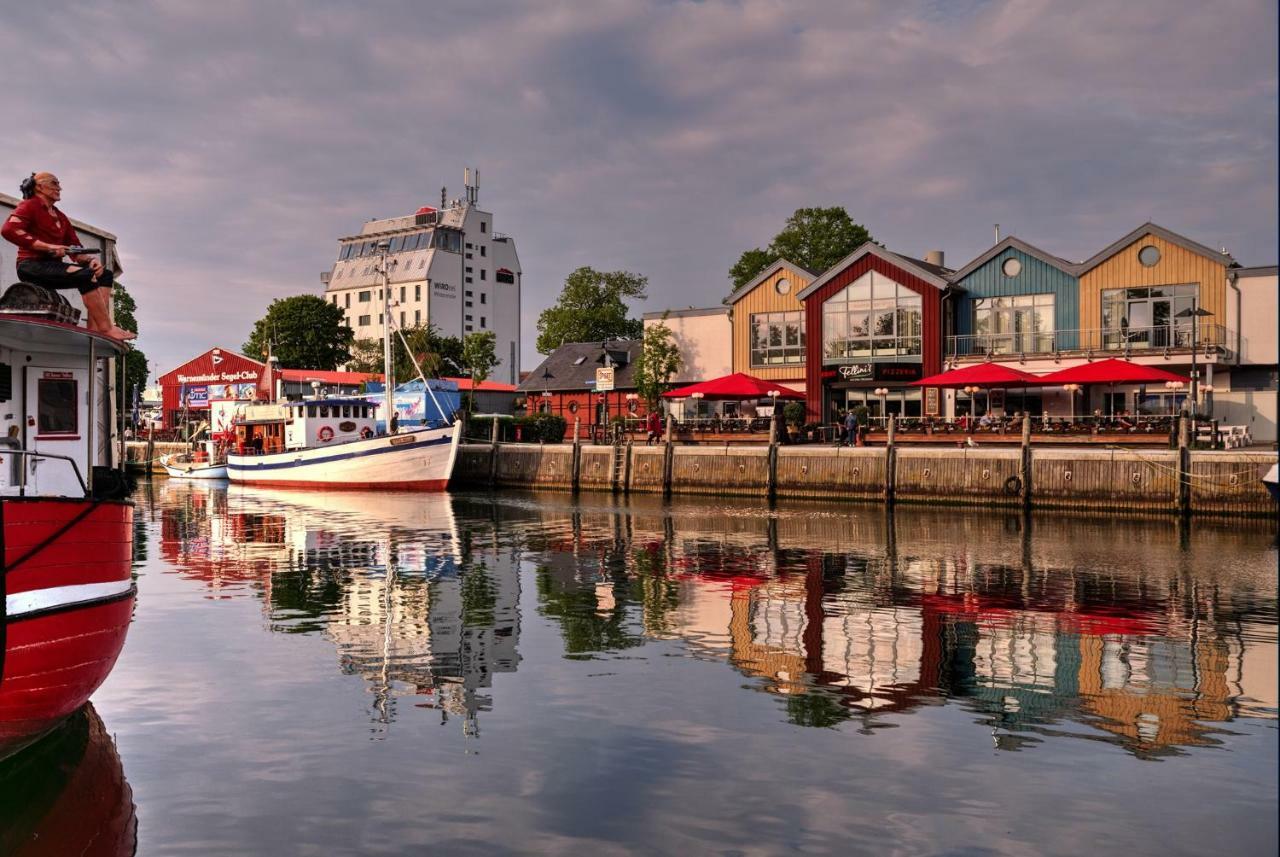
(44, 236)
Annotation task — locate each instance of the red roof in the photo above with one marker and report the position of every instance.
(426, 209)
(484, 386)
(980, 375)
(327, 377)
(1112, 371)
(736, 386)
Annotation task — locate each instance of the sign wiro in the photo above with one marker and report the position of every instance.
(604, 379)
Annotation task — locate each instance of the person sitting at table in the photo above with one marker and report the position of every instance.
(984, 422)
(1122, 419)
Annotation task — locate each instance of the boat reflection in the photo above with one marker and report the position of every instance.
(1128, 633)
(67, 794)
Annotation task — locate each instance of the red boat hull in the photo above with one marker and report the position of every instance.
(68, 600)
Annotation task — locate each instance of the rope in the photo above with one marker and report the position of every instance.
(1208, 480)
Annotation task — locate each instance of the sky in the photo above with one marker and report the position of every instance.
(228, 145)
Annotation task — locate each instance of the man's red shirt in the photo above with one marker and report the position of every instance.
(32, 221)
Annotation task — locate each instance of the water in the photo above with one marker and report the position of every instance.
(398, 674)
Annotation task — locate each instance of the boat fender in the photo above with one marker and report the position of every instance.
(366, 432)
(325, 434)
(1012, 485)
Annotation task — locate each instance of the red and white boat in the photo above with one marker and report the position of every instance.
(66, 586)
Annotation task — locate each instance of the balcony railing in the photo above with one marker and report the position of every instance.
(1213, 339)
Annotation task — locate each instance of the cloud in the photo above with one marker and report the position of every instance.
(229, 145)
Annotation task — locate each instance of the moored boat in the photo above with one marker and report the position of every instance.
(1272, 481)
(209, 462)
(66, 587)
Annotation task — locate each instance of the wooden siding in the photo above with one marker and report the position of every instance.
(765, 298)
(930, 323)
(1177, 266)
(1036, 278)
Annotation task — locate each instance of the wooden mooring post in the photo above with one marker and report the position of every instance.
(493, 452)
(1184, 465)
(577, 454)
(890, 458)
(1026, 462)
(771, 488)
(667, 459)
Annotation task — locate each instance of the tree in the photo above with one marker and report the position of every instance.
(814, 238)
(439, 356)
(478, 355)
(659, 360)
(591, 309)
(304, 332)
(135, 361)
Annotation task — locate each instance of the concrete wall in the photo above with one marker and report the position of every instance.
(1255, 316)
(705, 340)
(959, 475)
(1105, 479)
(853, 473)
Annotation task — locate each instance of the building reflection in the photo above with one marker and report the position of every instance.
(411, 606)
(1124, 632)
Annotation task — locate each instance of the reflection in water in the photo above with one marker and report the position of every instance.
(66, 794)
(1049, 629)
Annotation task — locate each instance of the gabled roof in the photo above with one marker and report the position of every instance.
(1017, 244)
(768, 272)
(934, 275)
(572, 367)
(1150, 228)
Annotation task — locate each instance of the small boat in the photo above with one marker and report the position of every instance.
(66, 585)
(206, 463)
(1272, 481)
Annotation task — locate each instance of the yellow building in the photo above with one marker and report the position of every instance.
(769, 327)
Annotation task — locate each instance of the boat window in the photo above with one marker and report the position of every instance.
(324, 410)
(311, 411)
(57, 398)
(346, 410)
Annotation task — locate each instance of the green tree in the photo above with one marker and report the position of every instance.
(814, 238)
(478, 355)
(439, 356)
(659, 360)
(135, 361)
(591, 308)
(304, 332)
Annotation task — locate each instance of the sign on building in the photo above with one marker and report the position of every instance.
(604, 379)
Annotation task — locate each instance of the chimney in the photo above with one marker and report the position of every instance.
(935, 257)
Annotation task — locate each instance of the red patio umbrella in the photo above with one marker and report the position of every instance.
(736, 386)
(981, 375)
(1111, 371)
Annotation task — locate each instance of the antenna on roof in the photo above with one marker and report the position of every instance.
(997, 233)
(444, 197)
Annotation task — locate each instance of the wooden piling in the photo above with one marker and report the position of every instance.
(1184, 465)
(890, 458)
(667, 457)
(771, 488)
(1026, 462)
(577, 456)
(493, 452)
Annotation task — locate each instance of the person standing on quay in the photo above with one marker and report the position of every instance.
(44, 236)
(653, 428)
(851, 427)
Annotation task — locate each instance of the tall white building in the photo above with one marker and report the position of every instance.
(447, 268)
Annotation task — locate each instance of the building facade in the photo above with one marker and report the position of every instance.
(446, 267)
(565, 384)
(703, 337)
(769, 325)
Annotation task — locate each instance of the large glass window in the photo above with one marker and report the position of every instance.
(872, 317)
(1014, 325)
(777, 338)
(56, 401)
(1148, 317)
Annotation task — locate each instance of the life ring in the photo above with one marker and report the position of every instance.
(325, 434)
(366, 433)
(1013, 485)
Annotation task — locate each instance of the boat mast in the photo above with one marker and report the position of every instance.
(388, 376)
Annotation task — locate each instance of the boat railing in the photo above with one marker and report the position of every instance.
(37, 455)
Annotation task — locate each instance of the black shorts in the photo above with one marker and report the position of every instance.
(52, 274)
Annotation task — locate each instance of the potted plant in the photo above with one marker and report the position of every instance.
(793, 413)
(863, 417)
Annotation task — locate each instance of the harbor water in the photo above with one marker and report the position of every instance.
(513, 672)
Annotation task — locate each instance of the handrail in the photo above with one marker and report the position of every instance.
(1213, 338)
(22, 481)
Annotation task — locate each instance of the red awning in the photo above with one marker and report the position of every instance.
(735, 386)
(1112, 371)
(981, 375)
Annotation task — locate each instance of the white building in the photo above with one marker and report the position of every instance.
(447, 267)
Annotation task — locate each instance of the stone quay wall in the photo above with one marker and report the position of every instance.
(1143, 481)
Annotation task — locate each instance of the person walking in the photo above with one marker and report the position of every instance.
(44, 236)
(851, 427)
(653, 428)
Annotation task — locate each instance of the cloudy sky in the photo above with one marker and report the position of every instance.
(229, 144)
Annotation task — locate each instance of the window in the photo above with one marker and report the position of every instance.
(1148, 317)
(484, 298)
(363, 321)
(484, 227)
(335, 300)
(783, 286)
(482, 321)
(468, 279)
(346, 301)
(1015, 325)
(468, 328)
(469, 294)
(417, 316)
(395, 244)
(379, 318)
(402, 318)
(468, 245)
(469, 271)
(468, 303)
(502, 275)
(872, 317)
(365, 296)
(58, 414)
(483, 273)
(484, 251)
(402, 293)
(1011, 267)
(468, 318)
(346, 411)
(423, 263)
(1149, 256)
(312, 411)
(417, 291)
(777, 337)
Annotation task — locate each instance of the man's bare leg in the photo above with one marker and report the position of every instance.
(98, 303)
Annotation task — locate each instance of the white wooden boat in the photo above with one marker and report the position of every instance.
(206, 463)
(1272, 481)
(331, 443)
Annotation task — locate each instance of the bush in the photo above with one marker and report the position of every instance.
(794, 413)
(534, 428)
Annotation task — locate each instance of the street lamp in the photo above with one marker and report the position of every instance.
(883, 393)
(1195, 313)
(1072, 389)
(1173, 387)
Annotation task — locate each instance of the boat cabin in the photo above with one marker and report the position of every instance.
(306, 424)
(58, 423)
